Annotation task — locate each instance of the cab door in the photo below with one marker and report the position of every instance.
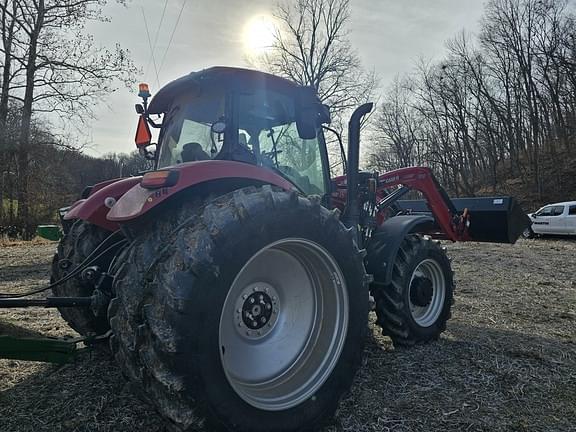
(571, 220)
(557, 220)
(541, 220)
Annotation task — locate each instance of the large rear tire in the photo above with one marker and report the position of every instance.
(416, 305)
(251, 313)
(82, 239)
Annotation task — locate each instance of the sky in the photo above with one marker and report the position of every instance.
(389, 35)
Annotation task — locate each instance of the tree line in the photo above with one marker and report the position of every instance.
(57, 176)
(500, 104)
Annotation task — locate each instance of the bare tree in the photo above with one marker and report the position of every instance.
(8, 18)
(7, 24)
(63, 71)
(312, 47)
(398, 129)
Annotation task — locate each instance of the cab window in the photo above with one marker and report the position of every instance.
(267, 129)
(297, 158)
(546, 211)
(187, 137)
(572, 210)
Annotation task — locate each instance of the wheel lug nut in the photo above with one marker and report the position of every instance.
(254, 324)
(263, 320)
(244, 297)
(268, 306)
(251, 300)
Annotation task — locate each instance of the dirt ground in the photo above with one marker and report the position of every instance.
(506, 363)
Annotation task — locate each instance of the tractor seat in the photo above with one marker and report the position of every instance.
(192, 152)
(242, 152)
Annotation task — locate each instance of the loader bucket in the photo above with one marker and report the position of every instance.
(494, 220)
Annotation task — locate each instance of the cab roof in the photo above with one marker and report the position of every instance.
(227, 78)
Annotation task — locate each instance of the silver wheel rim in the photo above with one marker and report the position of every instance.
(283, 324)
(428, 270)
(526, 233)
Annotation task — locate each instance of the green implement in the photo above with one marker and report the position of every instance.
(49, 232)
(46, 349)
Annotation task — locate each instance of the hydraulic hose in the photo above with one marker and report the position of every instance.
(90, 259)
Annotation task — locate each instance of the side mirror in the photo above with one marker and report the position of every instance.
(310, 113)
(324, 116)
(306, 123)
(147, 153)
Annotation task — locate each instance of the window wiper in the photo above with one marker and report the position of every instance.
(270, 135)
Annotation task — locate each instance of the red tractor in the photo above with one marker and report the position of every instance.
(236, 276)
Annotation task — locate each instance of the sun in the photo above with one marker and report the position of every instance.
(259, 34)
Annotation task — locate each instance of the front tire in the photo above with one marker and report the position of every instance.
(415, 306)
(528, 233)
(251, 314)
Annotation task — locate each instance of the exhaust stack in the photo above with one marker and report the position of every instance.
(352, 211)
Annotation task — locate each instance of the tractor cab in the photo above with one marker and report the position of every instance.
(245, 116)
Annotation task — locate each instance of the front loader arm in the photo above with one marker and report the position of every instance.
(453, 225)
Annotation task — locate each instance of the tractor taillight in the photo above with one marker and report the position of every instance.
(159, 179)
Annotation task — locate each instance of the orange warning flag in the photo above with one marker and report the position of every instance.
(143, 134)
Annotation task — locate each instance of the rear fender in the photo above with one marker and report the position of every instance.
(95, 208)
(385, 243)
(223, 176)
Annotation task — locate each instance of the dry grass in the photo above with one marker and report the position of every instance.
(506, 363)
(8, 242)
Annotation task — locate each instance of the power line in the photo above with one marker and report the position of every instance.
(172, 35)
(160, 25)
(156, 36)
(150, 46)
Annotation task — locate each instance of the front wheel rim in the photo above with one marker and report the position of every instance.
(426, 312)
(283, 324)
